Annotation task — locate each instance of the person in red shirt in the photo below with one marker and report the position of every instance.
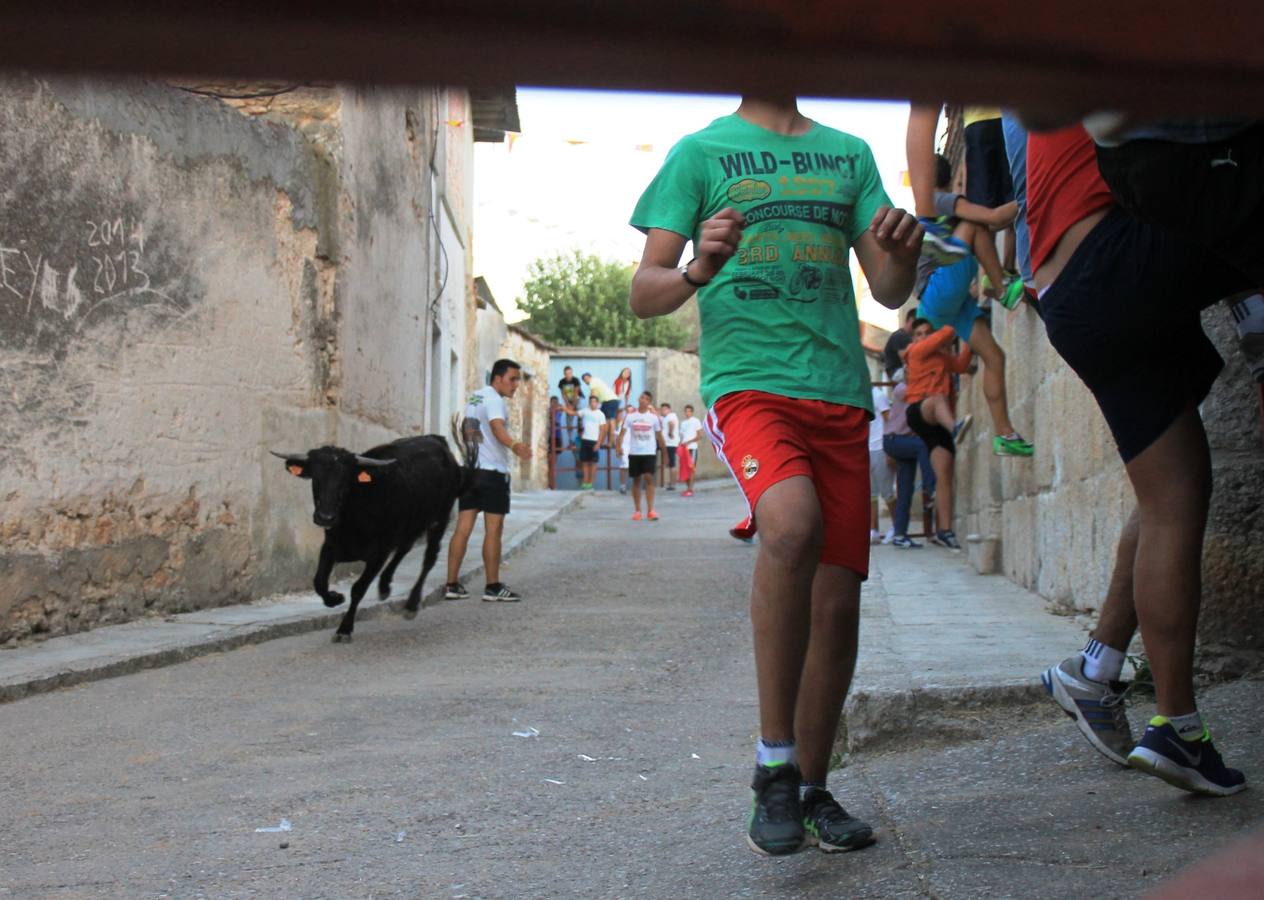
(1121, 300)
(928, 368)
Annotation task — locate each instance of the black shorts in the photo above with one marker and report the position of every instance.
(641, 464)
(587, 451)
(489, 493)
(671, 457)
(988, 179)
(932, 435)
(1124, 314)
(1212, 194)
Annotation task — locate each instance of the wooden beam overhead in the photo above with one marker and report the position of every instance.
(1070, 54)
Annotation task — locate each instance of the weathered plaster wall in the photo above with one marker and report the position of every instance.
(674, 377)
(1050, 523)
(183, 287)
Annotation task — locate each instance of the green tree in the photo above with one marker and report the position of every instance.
(581, 300)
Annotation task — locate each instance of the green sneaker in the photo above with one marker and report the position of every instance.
(1013, 294)
(829, 826)
(1012, 446)
(939, 245)
(775, 826)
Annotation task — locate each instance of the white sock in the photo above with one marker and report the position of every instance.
(1101, 663)
(1249, 314)
(775, 753)
(1189, 727)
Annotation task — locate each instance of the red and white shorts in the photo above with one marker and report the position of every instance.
(767, 438)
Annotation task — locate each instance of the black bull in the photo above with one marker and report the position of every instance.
(375, 506)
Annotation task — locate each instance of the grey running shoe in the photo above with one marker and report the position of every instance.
(775, 826)
(1097, 708)
(829, 826)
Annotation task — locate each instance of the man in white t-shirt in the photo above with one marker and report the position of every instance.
(644, 440)
(591, 436)
(671, 440)
(484, 423)
(881, 475)
(690, 431)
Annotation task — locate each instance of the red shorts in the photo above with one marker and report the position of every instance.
(766, 438)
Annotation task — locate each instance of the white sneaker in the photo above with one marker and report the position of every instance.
(874, 536)
(1097, 708)
(889, 536)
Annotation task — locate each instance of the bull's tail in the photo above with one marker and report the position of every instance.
(467, 436)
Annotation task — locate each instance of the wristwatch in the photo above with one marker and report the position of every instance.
(684, 273)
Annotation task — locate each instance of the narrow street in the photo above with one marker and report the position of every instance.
(593, 741)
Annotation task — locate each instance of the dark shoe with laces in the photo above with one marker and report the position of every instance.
(775, 827)
(499, 593)
(828, 825)
(455, 591)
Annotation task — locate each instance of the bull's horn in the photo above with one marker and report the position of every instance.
(301, 457)
(370, 461)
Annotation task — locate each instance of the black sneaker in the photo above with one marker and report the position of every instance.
(1189, 765)
(946, 539)
(500, 594)
(828, 825)
(455, 591)
(775, 827)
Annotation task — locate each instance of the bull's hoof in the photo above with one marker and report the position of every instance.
(383, 591)
(340, 638)
(333, 598)
(410, 614)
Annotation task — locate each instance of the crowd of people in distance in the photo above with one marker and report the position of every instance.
(635, 435)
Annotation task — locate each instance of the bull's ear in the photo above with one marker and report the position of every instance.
(298, 468)
(364, 477)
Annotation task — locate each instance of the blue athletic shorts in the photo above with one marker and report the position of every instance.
(946, 299)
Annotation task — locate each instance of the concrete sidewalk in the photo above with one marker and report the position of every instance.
(120, 649)
(939, 642)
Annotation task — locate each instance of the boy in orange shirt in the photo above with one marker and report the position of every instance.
(928, 367)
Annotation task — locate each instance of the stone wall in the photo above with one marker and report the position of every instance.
(674, 376)
(1050, 523)
(182, 288)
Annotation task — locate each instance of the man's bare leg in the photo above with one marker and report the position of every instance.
(465, 521)
(942, 462)
(649, 493)
(1117, 620)
(1172, 478)
(493, 528)
(935, 409)
(636, 493)
(828, 668)
(981, 242)
(984, 345)
(781, 599)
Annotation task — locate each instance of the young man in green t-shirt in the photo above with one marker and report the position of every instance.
(773, 203)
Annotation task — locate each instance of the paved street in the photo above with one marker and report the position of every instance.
(595, 741)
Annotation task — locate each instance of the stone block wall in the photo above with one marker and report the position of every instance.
(674, 376)
(184, 286)
(1050, 523)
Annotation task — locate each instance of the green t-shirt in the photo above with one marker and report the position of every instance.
(781, 315)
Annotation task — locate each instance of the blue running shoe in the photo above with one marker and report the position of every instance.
(938, 245)
(1189, 765)
(1096, 707)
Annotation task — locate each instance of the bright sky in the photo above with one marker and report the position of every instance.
(573, 176)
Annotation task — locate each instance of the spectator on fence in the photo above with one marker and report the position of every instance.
(605, 396)
(929, 365)
(594, 428)
(623, 388)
